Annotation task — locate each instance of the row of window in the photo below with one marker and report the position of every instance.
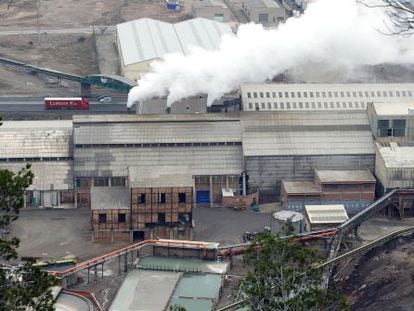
(156, 145)
(330, 94)
(307, 105)
(36, 159)
(142, 199)
(394, 128)
(100, 182)
(183, 218)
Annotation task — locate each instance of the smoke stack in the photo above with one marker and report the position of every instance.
(168, 110)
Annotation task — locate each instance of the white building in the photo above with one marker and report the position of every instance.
(144, 40)
(277, 96)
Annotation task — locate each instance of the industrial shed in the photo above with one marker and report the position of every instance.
(209, 145)
(212, 9)
(394, 166)
(392, 122)
(144, 40)
(269, 13)
(47, 146)
(319, 217)
(290, 145)
(321, 97)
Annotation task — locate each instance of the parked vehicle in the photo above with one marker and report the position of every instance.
(74, 103)
(105, 99)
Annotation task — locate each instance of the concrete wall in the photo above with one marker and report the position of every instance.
(275, 15)
(209, 12)
(391, 178)
(266, 173)
(195, 104)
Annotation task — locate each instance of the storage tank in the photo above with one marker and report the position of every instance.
(281, 220)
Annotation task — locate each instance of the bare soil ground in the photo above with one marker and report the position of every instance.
(77, 51)
(77, 13)
(383, 279)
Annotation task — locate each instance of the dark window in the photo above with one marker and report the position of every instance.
(121, 218)
(382, 124)
(100, 182)
(117, 181)
(398, 123)
(102, 218)
(181, 197)
(249, 95)
(261, 95)
(161, 218)
(141, 198)
(161, 198)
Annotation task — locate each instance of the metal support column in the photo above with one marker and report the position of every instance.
(126, 262)
(119, 264)
(85, 89)
(211, 191)
(244, 183)
(88, 274)
(102, 270)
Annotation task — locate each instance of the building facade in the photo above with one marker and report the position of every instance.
(215, 10)
(322, 97)
(266, 12)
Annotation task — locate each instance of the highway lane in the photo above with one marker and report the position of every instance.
(38, 106)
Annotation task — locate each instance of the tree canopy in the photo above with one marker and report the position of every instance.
(400, 14)
(283, 278)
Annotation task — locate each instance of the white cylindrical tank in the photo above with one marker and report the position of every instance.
(281, 220)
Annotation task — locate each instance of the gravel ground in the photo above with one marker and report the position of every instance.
(226, 225)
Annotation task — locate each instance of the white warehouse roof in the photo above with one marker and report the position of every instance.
(147, 39)
(326, 214)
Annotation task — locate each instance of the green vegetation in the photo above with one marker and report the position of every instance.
(283, 278)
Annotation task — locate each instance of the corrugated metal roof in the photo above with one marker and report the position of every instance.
(128, 118)
(200, 32)
(396, 156)
(300, 187)
(396, 109)
(146, 39)
(35, 139)
(217, 160)
(344, 176)
(160, 176)
(261, 4)
(209, 3)
(48, 175)
(326, 214)
(306, 133)
(164, 132)
(307, 143)
(110, 198)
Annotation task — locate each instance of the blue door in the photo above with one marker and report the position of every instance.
(203, 196)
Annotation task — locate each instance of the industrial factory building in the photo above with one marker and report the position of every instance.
(215, 10)
(354, 189)
(47, 146)
(266, 12)
(156, 203)
(210, 145)
(144, 40)
(306, 97)
(392, 122)
(290, 145)
(394, 166)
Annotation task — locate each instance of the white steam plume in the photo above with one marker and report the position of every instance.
(338, 33)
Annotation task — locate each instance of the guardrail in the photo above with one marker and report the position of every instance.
(126, 250)
(369, 246)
